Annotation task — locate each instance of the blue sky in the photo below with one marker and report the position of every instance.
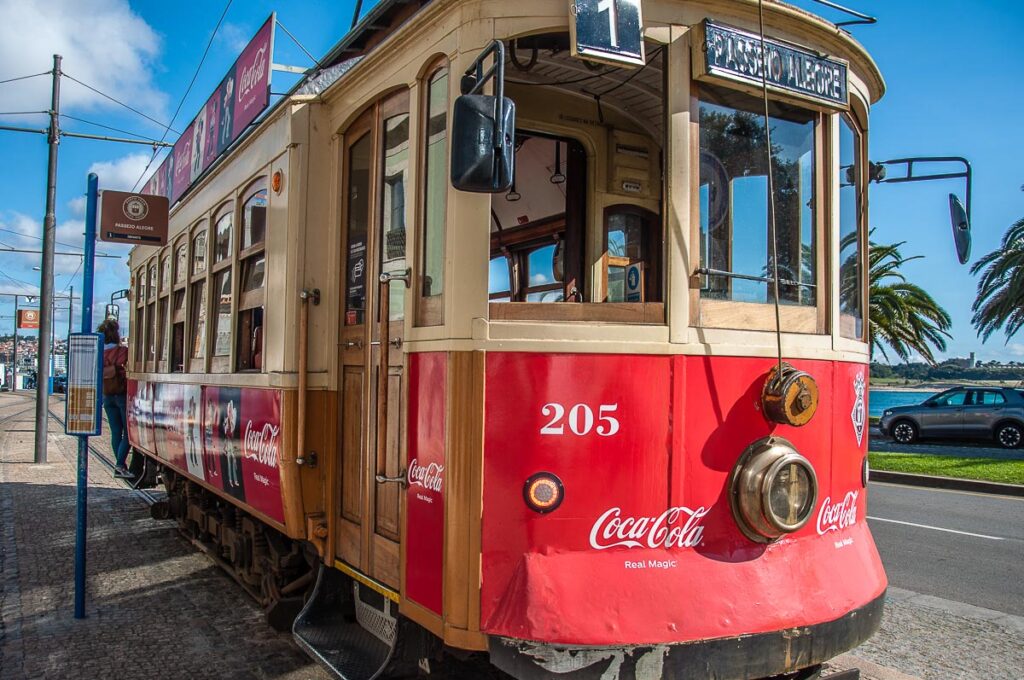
(952, 69)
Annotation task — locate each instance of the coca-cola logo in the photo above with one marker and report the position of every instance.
(836, 516)
(429, 477)
(253, 74)
(260, 444)
(677, 527)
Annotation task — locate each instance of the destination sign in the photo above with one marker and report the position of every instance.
(736, 55)
(138, 219)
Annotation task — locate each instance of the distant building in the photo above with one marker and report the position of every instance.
(970, 362)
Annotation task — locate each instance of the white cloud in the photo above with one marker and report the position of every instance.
(103, 43)
(77, 206)
(234, 37)
(121, 174)
(1015, 349)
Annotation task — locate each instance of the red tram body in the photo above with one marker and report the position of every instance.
(553, 472)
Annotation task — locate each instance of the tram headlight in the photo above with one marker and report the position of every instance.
(773, 490)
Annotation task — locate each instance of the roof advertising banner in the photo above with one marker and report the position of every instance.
(242, 95)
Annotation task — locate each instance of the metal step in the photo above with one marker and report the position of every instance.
(328, 628)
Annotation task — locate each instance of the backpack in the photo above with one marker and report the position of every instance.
(115, 379)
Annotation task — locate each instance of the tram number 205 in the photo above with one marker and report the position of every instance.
(581, 419)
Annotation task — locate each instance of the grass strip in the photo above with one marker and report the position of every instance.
(986, 469)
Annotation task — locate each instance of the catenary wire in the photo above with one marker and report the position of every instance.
(34, 75)
(107, 127)
(22, 113)
(118, 101)
(40, 238)
(181, 102)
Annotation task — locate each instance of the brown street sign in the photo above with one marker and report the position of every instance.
(138, 219)
(28, 318)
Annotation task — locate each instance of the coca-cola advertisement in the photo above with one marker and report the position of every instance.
(167, 423)
(226, 403)
(241, 97)
(259, 425)
(192, 426)
(425, 470)
(140, 415)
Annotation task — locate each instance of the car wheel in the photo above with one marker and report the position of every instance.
(904, 432)
(1009, 435)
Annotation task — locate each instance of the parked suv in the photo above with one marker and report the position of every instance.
(962, 412)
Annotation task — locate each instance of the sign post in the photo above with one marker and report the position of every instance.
(85, 365)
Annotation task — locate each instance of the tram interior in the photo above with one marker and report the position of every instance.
(586, 200)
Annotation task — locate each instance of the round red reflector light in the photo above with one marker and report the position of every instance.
(543, 492)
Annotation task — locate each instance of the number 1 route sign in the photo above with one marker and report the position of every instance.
(608, 31)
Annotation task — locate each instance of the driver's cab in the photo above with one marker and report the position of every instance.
(579, 233)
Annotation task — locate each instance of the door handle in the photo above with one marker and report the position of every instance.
(402, 275)
(394, 342)
(401, 479)
(353, 344)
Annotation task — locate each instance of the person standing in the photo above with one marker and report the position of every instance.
(115, 393)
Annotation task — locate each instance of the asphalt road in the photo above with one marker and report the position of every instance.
(964, 547)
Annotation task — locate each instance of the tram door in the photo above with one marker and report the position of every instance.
(371, 412)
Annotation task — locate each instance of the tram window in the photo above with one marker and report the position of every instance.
(632, 236)
(178, 348)
(165, 274)
(162, 327)
(358, 220)
(181, 263)
(138, 337)
(395, 165)
(435, 192)
(499, 282)
(539, 225)
(250, 339)
(151, 294)
(252, 273)
(734, 227)
(851, 233)
(151, 337)
(199, 253)
(254, 219)
(222, 236)
(198, 320)
(222, 320)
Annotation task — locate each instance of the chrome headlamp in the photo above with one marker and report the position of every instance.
(773, 490)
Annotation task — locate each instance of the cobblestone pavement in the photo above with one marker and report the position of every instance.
(156, 608)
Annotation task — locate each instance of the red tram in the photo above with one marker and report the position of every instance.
(586, 394)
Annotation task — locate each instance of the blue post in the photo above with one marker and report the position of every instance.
(91, 196)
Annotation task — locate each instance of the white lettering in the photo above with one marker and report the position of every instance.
(833, 517)
(612, 530)
(430, 477)
(252, 75)
(261, 444)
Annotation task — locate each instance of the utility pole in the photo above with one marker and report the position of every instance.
(46, 274)
(14, 387)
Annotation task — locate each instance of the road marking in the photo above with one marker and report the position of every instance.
(980, 494)
(925, 526)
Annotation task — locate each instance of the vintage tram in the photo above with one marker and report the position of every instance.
(605, 418)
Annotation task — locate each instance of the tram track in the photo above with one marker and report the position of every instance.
(148, 498)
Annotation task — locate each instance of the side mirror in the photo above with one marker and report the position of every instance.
(961, 229)
(483, 157)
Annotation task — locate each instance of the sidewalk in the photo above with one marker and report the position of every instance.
(156, 607)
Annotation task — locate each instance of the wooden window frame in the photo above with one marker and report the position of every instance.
(430, 308)
(229, 208)
(861, 145)
(652, 243)
(244, 301)
(757, 316)
(163, 304)
(138, 334)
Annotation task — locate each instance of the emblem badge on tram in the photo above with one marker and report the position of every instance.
(858, 415)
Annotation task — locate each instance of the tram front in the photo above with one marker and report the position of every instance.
(675, 341)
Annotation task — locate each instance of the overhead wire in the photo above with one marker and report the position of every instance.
(119, 102)
(107, 127)
(22, 113)
(34, 75)
(181, 102)
(40, 238)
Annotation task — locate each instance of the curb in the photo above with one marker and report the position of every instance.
(952, 483)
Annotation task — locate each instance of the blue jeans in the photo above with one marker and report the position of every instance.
(116, 406)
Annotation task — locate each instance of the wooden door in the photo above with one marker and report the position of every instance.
(371, 412)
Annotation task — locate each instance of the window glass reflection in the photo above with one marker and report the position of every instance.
(851, 295)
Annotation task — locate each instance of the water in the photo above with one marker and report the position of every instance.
(879, 400)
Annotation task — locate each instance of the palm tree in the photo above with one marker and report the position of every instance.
(1000, 301)
(902, 316)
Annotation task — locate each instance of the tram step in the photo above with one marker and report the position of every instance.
(329, 629)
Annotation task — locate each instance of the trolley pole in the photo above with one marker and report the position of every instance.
(46, 274)
(83, 442)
